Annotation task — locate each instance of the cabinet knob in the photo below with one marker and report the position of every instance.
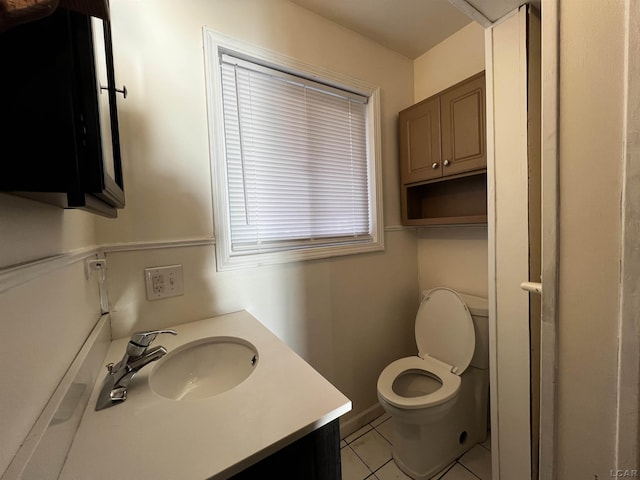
(434, 165)
(446, 163)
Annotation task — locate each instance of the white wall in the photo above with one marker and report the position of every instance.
(455, 257)
(348, 316)
(452, 256)
(457, 57)
(33, 230)
(591, 141)
(45, 316)
(158, 50)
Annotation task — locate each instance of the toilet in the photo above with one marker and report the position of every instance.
(438, 400)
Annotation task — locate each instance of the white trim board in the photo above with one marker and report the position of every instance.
(628, 416)
(17, 275)
(155, 245)
(550, 242)
(506, 58)
(491, 239)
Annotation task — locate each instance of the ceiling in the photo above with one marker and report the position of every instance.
(409, 27)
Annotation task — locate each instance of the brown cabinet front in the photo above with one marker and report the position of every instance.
(462, 115)
(444, 134)
(443, 156)
(420, 142)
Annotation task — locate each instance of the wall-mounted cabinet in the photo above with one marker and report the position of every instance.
(443, 156)
(58, 113)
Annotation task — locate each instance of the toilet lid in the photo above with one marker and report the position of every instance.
(444, 329)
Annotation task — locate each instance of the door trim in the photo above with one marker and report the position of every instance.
(628, 417)
(507, 159)
(550, 241)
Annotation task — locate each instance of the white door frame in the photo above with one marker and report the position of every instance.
(550, 240)
(628, 417)
(508, 235)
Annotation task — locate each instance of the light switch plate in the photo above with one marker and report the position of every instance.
(162, 282)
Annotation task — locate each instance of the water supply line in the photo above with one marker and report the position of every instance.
(99, 265)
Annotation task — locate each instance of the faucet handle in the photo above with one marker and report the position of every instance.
(141, 340)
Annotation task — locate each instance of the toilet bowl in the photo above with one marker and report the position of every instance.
(438, 399)
(405, 383)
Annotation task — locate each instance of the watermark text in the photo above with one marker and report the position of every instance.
(623, 473)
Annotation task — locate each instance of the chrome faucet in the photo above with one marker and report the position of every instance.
(137, 355)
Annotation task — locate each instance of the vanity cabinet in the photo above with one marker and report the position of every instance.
(316, 456)
(443, 156)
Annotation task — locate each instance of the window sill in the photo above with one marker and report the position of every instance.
(226, 262)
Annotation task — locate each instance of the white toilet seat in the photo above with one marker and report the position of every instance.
(448, 390)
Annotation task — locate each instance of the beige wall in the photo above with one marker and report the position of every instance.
(451, 61)
(33, 230)
(452, 256)
(344, 315)
(590, 157)
(158, 50)
(44, 322)
(349, 317)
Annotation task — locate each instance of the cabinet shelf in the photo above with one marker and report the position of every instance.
(455, 200)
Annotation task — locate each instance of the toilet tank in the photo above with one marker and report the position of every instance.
(479, 309)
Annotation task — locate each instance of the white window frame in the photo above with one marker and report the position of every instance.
(216, 43)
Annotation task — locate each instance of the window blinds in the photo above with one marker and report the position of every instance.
(296, 158)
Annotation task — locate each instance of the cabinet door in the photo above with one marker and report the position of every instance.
(108, 176)
(463, 127)
(420, 142)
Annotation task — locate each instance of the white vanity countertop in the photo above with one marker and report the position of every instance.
(148, 436)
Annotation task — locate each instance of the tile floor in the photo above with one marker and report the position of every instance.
(366, 454)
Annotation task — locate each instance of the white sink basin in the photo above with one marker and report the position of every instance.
(203, 368)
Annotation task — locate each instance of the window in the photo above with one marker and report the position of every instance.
(294, 160)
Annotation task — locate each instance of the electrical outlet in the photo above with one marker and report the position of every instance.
(157, 283)
(162, 282)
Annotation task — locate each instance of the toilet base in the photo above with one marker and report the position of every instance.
(421, 450)
(423, 464)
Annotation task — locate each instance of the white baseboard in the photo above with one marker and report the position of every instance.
(360, 420)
